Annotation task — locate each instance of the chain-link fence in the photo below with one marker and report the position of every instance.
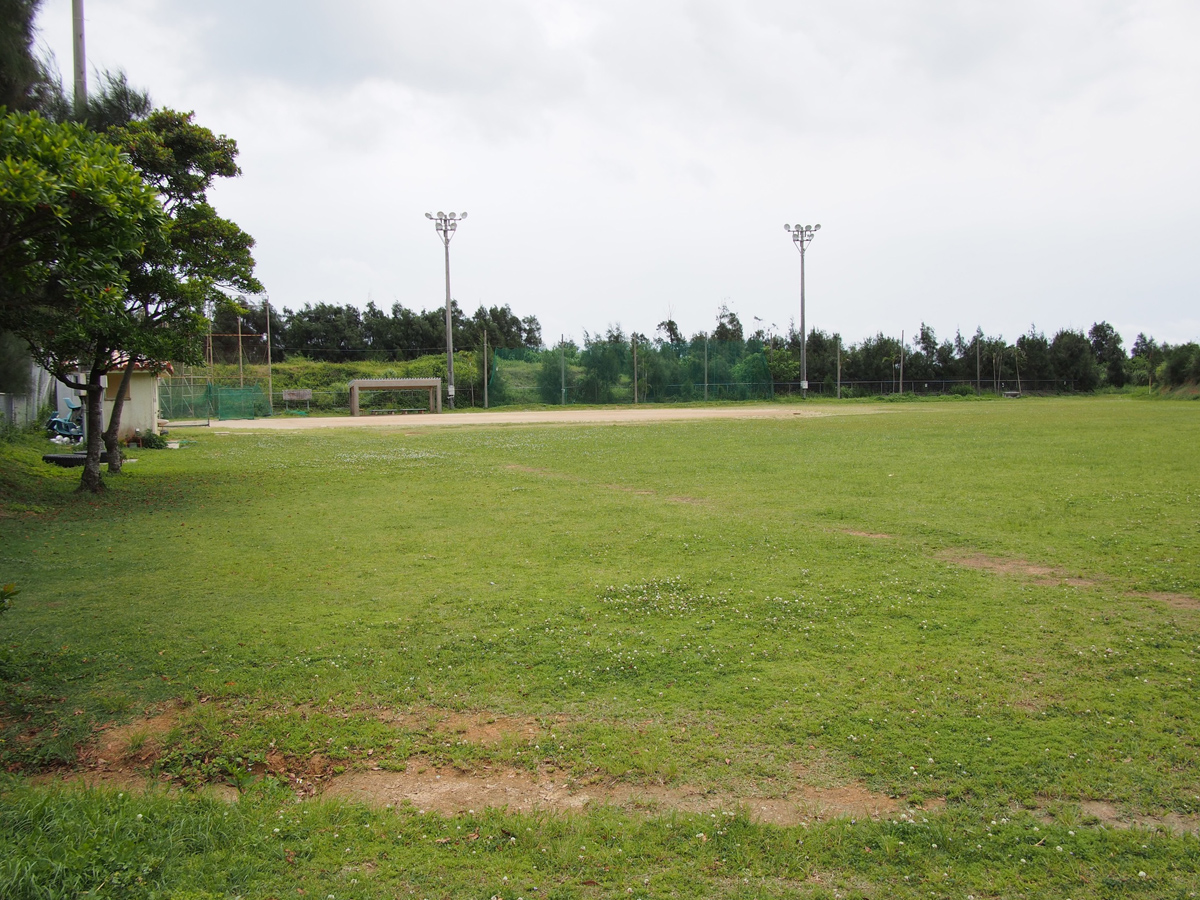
(559, 376)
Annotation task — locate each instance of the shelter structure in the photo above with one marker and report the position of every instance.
(433, 385)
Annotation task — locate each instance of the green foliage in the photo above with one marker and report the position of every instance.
(1073, 361)
(784, 367)
(153, 441)
(7, 592)
(1110, 356)
(26, 82)
(554, 373)
(73, 211)
(75, 217)
(204, 255)
(1180, 366)
(327, 331)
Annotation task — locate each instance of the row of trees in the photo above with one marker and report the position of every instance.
(726, 362)
(723, 358)
(325, 331)
(110, 252)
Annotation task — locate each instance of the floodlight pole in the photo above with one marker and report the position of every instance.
(446, 224)
(802, 236)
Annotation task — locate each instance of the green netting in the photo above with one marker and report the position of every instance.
(242, 402)
(185, 398)
(603, 372)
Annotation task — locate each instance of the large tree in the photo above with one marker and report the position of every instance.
(73, 212)
(1110, 354)
(173, 284)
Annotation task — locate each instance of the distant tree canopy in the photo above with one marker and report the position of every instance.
(601, 370)
(332, 332)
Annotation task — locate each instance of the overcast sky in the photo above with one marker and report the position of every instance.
(1007, 165)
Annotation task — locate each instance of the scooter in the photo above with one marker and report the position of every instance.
(69, 428)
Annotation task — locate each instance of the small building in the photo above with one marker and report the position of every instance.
(139, 414)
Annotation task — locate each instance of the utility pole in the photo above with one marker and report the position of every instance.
(978, 371)
(80, 58)
(706, 368)
(446, 224)
(839, 354)
(487, 370)
(802, 236)
(901, 362)
(241, 376)
(562, 354)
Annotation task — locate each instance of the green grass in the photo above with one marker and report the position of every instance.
(682, 603)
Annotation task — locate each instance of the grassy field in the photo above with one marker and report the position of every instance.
(978, 620)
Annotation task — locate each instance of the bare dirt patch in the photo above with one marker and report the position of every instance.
(477, 728)
(1012, 566)
(1110, 816)
(121, 758)
(877, 535)
(1178, 601)
(136, 744)
(450, 791)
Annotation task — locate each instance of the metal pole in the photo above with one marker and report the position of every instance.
(706, 368)
(802, 235)
(901, 362)
(634, 342)
(270, 379)
(978, 371)
(803, 332)
(449, 334)
(80, 58)
(446, 224)
(562, 353)
(241, 377)
(487, 370)
(839, 357)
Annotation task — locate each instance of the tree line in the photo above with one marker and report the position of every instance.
(329, 332)
(727, 362)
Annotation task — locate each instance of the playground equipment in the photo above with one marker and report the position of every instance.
(70, 426)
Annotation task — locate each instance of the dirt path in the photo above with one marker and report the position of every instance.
(622, 415)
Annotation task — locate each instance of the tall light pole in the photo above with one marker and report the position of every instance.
(446, 223)
(802, 236)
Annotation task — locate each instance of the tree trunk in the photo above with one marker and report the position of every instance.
(111, 442)
(91, 480)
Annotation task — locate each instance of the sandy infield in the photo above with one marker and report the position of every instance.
(610, 416)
